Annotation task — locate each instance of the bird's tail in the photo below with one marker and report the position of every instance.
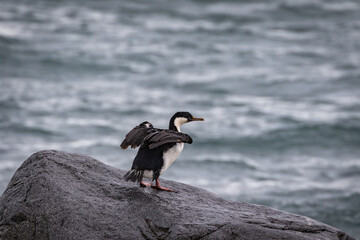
(134, 175)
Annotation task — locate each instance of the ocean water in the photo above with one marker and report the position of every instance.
(278, 83)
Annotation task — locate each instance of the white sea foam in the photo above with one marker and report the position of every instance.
(8, 165)
(14, 30)
(341, 6)
(176, 24)
(300, 110)
(239, 9)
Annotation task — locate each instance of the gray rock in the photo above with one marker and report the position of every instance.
(57, 195)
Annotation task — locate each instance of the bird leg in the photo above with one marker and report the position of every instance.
(144, 184)
(158, 187)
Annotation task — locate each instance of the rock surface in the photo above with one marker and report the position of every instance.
(57, 195)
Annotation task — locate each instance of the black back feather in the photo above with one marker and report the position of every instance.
(147, 136)
(135, 137)
(162, 137)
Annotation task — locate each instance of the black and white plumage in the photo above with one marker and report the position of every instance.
(158, 148)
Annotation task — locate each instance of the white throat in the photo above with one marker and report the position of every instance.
(179, 121)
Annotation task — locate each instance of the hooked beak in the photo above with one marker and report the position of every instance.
(197, 119)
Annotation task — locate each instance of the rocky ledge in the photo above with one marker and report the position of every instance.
(58, 195)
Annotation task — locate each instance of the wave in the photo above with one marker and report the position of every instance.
(30, 130)
(312, 136)
(220, 160)
(318, 8)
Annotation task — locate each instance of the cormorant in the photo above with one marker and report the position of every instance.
(158, 148)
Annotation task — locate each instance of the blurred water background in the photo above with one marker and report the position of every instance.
(276, 81)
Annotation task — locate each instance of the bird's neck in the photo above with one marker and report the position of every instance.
(173, 126)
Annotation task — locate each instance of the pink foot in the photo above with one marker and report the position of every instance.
(145, 184)
(158, 187)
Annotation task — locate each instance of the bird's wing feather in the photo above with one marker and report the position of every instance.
(136, 136)
(162, 137)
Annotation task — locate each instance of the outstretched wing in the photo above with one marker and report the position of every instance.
(161, 137)
(136, 136)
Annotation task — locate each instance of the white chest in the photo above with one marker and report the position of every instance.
(170, 156)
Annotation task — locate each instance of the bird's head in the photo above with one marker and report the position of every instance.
(180, 118)
(146, 124)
